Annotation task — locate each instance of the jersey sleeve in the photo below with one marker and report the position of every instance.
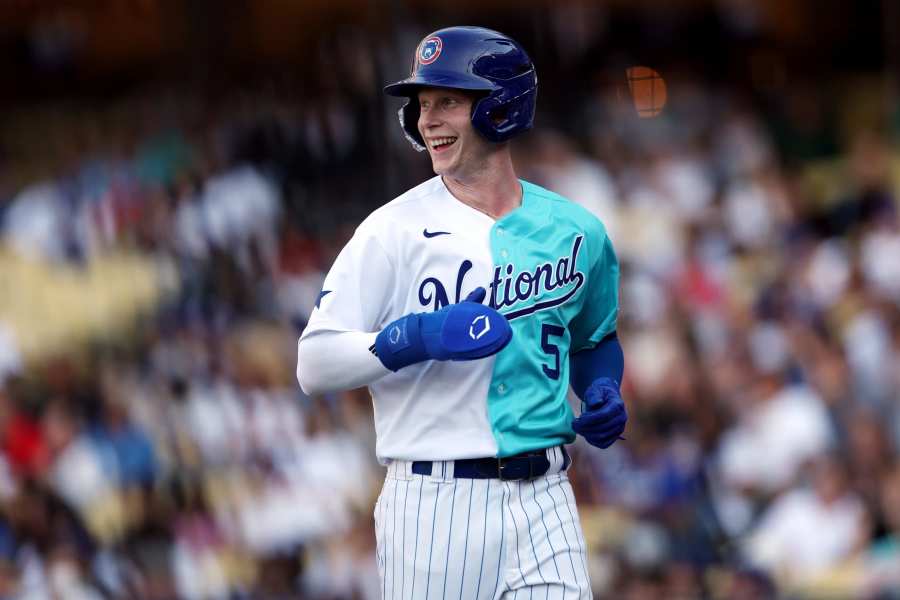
(358, 289)
(333, 351)
(600, 304)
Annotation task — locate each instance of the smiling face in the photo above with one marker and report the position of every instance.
(445, 123)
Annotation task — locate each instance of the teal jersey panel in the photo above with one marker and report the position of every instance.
(556, 279)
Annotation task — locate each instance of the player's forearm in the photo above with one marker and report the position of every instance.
(330, 361)
(595, 376)
(605, 360)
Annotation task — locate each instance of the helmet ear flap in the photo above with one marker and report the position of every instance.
(409, 120)
(499, 118)
(484, 114)
(518, 115)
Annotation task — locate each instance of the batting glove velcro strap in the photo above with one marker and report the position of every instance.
(464, 331)
(603, 416)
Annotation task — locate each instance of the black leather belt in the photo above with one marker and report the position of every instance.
(526, 465)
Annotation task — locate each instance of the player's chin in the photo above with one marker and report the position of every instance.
(442, 163)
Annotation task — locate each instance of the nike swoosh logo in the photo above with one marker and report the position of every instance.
(431, 234)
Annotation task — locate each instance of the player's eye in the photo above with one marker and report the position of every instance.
(450, 102)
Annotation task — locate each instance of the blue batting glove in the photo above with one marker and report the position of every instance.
(465, 331)
(603, 414)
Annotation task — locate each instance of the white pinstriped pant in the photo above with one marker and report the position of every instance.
(479, 539)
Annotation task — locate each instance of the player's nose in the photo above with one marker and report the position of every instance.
(428, 119)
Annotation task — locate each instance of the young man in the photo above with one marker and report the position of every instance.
(468, 305)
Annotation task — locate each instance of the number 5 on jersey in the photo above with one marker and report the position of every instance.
(551, 331)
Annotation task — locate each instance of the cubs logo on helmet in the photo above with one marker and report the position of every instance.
(429, 50)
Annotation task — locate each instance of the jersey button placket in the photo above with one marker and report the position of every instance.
(504, 254)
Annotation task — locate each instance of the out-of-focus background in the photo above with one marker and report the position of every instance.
(176, 178)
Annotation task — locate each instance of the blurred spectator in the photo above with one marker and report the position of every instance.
(10, 357)
(809, 530)
(881, 576)
(25, 449)
(789, 421)
(35, 223)
(80, 475)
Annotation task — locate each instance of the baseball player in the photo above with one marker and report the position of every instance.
(468, 305)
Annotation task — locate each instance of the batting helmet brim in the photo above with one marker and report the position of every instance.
(410, 86)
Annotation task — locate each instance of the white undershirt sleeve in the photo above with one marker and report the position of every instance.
(355, 303)
(329, 361)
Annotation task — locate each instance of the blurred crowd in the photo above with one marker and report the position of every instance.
(761, 326)
(171, 454)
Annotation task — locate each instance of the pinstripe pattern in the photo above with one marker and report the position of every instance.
(379, 536)
(384, 545)
(465, 554)
(415, 553)
(567, 489)
(537, 561)
(515, 531)
(565, 538)
(546, 530)
(487, 497)
(393, 539)
(431, 544)
(502, 535)
(403, 546)
(449, 532)
(562, 528)
(527, 529)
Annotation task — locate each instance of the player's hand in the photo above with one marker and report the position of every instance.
(464, 331)
(603, 416)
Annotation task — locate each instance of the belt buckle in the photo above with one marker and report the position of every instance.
(503, 463)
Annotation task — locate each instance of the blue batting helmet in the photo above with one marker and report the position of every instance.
(476, 59)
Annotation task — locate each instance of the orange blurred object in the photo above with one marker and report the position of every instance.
(647, 89)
